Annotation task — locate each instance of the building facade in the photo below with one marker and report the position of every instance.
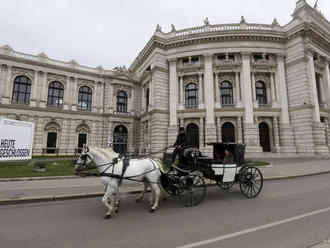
(267, 86)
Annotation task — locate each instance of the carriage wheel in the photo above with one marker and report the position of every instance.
(191, 190)
(226, 185)
(251, 182)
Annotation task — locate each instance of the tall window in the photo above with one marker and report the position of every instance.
(147, 99)
(261, 92)
(85, 98)
(226, 91)
(191, 93)
(121, 102)
(55, 94)
(22, 89)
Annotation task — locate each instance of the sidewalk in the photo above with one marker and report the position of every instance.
(21, 191)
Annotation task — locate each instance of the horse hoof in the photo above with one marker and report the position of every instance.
(107, 216)
(117, 211)
(152, 210)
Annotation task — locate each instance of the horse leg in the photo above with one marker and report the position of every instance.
(141, 195)
(117, 201)
(107, 199)
(156, 195)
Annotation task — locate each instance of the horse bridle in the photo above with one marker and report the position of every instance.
(83, 157)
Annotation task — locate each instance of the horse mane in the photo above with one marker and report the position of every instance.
(107, 152)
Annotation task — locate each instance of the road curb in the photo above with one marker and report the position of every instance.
(13, 179)
(15, 201)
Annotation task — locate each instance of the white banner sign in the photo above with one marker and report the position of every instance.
(16, 140)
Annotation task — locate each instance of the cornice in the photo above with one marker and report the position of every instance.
(206, 38)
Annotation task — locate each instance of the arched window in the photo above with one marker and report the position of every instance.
(85, 98)
(226, 91)
(121, 102)
(120, 139)
(147, 99)
(22, 89)
(55, 94)
(191, 93)
(228, 132)
(261, 92)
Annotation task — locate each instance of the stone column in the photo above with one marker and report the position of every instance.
(272, 89)
(327, 81)
(34, 90)
(217, 91)
(74, 94)
(7, 81)
(327, 132)
(200, 91)
(43, 89)
(182, 92)
(313, 88)
(151, 91)
(143, 100)
(287, 139)
(101, 97)
(201, 133)
(251, 132)
(181, 122)
(67, 92)
(322, 97)
(210, 131)
(253, 86)
(276, 136)
(238, 90)
(173, 119)
(239, 130)
(218, 129)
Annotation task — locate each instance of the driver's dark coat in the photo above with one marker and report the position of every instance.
(181, 140)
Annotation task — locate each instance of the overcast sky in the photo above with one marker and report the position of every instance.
(113, 32)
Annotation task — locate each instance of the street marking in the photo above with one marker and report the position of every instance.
(254, 229)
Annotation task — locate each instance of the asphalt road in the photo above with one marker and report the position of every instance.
(288, 213)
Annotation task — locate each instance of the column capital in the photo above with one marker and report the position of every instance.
(280, 57)
(172, 61)
(208, 57)
(246, 55)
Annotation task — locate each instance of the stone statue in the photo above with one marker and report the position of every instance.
(206, 21)
(173, 28)
(243, 19)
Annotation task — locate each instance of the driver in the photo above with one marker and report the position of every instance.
(180, 143)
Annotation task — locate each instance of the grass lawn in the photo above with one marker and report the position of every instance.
(25, 169)
(257, 163)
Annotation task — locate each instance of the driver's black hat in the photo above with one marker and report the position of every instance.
(181, 129)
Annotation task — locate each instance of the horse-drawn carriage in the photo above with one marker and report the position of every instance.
(187, 179)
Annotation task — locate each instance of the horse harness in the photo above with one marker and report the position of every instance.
(126, 163)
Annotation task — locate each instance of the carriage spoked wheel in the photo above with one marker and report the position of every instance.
(251, 182)
(191, 190)
(225, 185)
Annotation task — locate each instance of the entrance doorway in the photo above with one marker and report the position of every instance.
(82, 140)
(228, 133)
(264, 137)
(51, 142)
(120, 139)
(193, 135)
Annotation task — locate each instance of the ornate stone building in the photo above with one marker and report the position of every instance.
(267, 86)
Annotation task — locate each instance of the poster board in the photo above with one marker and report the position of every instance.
(16, 139)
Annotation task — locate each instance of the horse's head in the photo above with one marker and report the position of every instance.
(84, 159)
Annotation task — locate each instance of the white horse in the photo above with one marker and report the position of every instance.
(146, 171)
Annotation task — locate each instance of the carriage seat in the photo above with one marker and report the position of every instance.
(188, 151)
